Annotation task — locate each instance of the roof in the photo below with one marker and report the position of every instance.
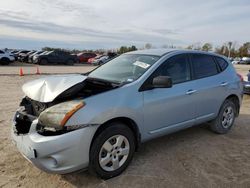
(164, 51)
(157, 52)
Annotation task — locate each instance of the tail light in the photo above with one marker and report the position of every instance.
(240, 76)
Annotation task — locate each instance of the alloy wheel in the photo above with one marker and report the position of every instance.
(114, 153)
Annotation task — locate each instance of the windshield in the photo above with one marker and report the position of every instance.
(125, 68)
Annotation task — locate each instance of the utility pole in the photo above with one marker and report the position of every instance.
(229, 49)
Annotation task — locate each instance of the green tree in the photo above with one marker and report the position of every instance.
(244, 50)
(207, 47)
(124, 49)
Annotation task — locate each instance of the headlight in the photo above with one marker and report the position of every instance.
(57, 116)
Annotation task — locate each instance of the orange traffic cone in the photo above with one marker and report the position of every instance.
(21, 72)
(37, 70)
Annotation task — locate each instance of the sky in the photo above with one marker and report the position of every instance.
(95, 24)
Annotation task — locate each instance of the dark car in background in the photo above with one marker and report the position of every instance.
(56, 57)
(85, 56)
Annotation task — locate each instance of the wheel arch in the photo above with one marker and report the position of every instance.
(125, 120)
(235, 99)
(4, 58)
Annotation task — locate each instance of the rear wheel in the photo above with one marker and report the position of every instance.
(225, 119)
(112, 151)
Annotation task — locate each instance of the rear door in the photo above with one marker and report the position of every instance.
(210, 86)
(169, 109)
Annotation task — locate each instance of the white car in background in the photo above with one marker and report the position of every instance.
(6, 57)
(99, 60)
(34, 58)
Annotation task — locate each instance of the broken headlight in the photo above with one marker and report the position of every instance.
(55, 117)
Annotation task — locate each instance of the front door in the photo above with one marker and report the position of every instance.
(170, 109)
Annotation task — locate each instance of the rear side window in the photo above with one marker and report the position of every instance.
(1, 52)
(222, 63)
(177, 68)
(203, 66)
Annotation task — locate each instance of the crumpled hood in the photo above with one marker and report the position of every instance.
(48, 88)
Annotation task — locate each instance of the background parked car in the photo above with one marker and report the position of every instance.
(85, 56)
(36, 55)
(6, 57)
(55, 57)
(18, 53)
(99, 60)
(30, 58)
(245, 60)
(236, 60)
(23, 57)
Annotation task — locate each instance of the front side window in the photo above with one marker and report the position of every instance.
(1, 52)
(125, 68)
(177, 68)
(203, 66)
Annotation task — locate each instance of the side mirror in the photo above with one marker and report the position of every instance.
(162, 82)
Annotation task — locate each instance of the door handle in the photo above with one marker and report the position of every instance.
(224, 84)
(190, 92)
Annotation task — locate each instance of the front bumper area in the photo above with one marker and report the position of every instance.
(55, 154)
(246, 88)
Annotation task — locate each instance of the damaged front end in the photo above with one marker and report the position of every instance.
(53, 112)
(41, 130)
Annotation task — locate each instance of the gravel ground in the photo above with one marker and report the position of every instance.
(194, 157)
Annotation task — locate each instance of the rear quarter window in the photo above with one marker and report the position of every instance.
(203, 66)
(222, 63)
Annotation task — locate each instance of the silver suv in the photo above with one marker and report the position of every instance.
(98, 120)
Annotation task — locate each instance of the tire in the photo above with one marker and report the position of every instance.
(116, 162)
(225, 119)
(100, 63)
(4, 61)
(43, 62)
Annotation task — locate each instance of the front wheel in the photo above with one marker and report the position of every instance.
(225, 119)
(4, 61)
(112, 151)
